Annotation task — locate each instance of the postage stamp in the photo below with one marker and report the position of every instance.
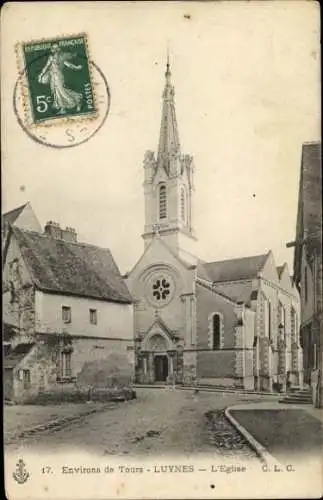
(61, 97)
(58, 77)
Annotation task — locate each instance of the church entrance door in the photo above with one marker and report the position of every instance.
(161, 368)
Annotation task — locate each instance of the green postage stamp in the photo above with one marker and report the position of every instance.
(58, 83)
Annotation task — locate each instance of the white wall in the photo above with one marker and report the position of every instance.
(28, 220)
(113, 320)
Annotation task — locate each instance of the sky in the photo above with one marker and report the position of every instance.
(246, 77)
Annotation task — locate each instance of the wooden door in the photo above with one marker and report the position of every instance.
(161, 368)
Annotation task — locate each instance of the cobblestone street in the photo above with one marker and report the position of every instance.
(158, 422)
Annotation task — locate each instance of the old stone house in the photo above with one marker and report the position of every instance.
(230, 323)
(65, 303)
(24, 217)
(308, 264)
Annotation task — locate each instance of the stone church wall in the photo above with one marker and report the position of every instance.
(173, 314)
(215, 366)
(248, 380)
(189, 367)
(207, 304)
(276, 353)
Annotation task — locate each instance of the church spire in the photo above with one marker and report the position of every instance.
(168, 184)
(167, 73)
(169, 144)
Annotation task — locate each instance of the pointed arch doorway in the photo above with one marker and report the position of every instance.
(158, 345)
(159, 360)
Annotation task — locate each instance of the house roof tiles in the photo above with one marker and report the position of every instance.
(58, 266)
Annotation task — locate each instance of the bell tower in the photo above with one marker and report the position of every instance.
(168, 182)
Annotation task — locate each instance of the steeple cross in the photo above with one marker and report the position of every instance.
(167, 74)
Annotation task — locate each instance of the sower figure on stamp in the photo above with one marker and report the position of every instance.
(52, 74)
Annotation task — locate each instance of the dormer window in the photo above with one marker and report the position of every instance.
(162, 202)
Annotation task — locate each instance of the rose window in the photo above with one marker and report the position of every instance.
(161, 289)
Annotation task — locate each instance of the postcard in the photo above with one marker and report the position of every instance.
(162, 251)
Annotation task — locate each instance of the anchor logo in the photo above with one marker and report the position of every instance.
(20, 475)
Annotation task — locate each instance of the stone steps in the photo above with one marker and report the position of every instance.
(304, 396)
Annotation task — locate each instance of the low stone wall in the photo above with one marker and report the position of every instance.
(77, 395)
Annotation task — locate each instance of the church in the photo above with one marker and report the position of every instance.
(233, 323)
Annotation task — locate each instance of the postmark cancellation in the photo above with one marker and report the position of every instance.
(61, 97)
(57, 79)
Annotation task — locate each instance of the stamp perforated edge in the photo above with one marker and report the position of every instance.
(24, 87)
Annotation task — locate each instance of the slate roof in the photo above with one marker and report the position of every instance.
(238, 291)
(17, 354)
(58, 266)
(245, 268)
(11, 216)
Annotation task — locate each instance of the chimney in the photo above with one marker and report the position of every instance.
(54, 230)
(69, 234)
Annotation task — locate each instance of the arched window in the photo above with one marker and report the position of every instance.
(216, 332)
(183, 204)
(162, 202)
